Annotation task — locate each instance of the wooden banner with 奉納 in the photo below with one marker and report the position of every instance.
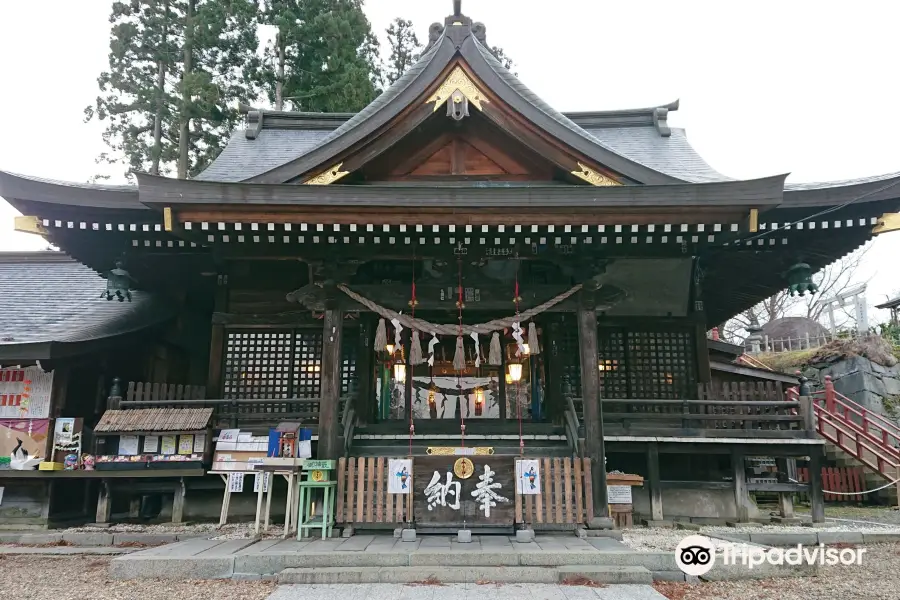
(470, 491)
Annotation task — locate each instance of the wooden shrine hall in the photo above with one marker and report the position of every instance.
(461, 266)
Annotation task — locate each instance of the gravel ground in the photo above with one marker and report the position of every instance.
(80, 578)
(873, 514)
(657, 539)
(231, 531)
(878, 578)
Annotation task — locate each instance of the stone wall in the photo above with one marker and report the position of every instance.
(870, 384)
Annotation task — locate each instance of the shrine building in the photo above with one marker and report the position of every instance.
(459, 269)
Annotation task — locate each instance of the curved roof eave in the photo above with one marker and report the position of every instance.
(863, 189)
(14, 186)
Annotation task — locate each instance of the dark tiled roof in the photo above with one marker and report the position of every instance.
(672, 155)
(47, 298)
(243, 158)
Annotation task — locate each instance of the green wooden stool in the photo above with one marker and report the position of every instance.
(316, 475)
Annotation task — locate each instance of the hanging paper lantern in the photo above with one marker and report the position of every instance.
(800, 281)
(515, 371)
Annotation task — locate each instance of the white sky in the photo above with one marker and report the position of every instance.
(802, 87)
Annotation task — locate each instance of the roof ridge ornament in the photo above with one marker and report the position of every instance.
(328, 176)
(457, 8)
(457, 81)
(593, 177)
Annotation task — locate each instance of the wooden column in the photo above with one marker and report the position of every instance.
(656, 506)
(217, 343)
(329, 416)
(816, 493)
(741, 495)
(593, 411)
(178, 501)
(104, 502)
(365, 355)
(785, 499)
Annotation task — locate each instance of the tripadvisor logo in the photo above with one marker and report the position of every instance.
(696, 554)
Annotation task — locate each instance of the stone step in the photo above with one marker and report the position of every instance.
(472, 574)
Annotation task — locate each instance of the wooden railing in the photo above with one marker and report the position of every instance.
(868, 437)
(248, 413)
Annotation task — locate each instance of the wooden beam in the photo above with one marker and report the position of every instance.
(695, 485)
(781, 488)
(593, 417)
(329, 425)
(656, 505)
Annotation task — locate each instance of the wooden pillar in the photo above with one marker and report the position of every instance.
(217, 343)
(329, 422)
(555, 403)
(785, 499)
(698, 316)
(178, 501)
(593, 411)
(365, 354)
(104, 502)
(741, 495)
(816, 493)
(656, 506)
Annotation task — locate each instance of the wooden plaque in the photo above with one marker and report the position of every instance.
(440, 497)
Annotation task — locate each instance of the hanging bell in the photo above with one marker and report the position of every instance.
(800, 281)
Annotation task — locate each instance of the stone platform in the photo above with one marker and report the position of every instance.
(385, 559)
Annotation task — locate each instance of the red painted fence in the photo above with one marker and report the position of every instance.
(838, 479)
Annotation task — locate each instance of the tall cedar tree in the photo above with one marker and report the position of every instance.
(324, 57)
(176, 74)
(405, 49)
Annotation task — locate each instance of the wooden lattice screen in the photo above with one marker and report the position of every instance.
(647, 364)
(280, 364)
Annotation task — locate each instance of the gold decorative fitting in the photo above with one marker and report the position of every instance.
(593, 177)
(886, 223)
(463, 468)
(457, 80)
(167, 218)
(453, 451)
(329, 176)
(754, 220)
(28, 224)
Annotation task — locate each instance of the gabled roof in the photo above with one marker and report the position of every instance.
(51, 307)
(461, 42)
(154, 419)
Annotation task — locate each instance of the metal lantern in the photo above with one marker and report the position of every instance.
(118, 284)
(800, 280)
(400, 372)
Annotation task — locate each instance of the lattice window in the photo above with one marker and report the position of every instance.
(281, 364)
(611, 354)
(307, 364)
(569, 355)
(257, 365)
(652, 365)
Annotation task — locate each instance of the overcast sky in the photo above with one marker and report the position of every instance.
(803, 87)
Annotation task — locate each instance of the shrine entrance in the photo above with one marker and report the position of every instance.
(510, 391)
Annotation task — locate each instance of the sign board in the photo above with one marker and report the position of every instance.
(618, 494)
(25, 393)
(399, 475)
(528, 477)
(323, 465)
(455, 491)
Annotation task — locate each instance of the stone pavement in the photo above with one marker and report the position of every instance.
(469, 591)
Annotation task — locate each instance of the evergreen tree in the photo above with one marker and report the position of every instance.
(136, 94)
(324, 57)
(176, 74)
(405, 48)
